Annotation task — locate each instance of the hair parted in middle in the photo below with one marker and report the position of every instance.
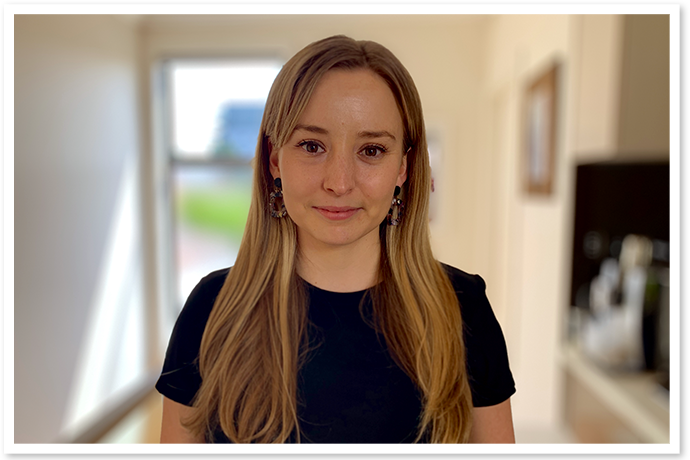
(255, 339)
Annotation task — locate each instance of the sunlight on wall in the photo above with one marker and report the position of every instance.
(112, 354)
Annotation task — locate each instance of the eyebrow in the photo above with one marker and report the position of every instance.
(312, 129)
(365, 134)
(375, 134)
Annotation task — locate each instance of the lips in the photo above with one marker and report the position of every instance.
(337, 212)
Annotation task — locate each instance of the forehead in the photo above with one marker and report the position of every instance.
(345, 96)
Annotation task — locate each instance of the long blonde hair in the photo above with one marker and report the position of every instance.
(254, 340)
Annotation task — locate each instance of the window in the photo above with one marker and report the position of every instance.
(215, 110)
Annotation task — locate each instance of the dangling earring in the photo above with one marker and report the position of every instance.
(276, 204)
(395, 213)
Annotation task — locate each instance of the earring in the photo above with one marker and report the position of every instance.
(395, 213)
(276, 205)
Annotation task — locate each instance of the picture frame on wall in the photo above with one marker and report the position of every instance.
(540, 133)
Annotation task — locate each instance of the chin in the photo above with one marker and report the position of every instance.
(341, 236)
(338, 240)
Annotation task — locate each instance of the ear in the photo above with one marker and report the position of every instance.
(273, 163)
(402, 174)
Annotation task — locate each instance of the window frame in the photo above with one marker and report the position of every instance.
(165, 163)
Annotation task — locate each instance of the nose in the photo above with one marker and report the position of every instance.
(339, 174)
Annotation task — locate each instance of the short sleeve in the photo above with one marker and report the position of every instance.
(180, 379)
(490, 378)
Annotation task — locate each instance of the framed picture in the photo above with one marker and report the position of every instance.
(540, 133)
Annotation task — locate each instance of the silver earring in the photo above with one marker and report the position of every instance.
(276, 204)
(395, 213)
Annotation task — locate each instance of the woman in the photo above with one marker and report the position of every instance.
(336, 324)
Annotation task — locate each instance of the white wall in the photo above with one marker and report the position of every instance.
(76, 219)
(529, 246)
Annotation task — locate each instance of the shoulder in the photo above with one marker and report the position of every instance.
(471, 292)
(474, 305)
(463, 282)
(208, 288)
(200, 302)
(211, 283)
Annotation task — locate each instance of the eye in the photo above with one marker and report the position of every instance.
(311, 147)
(373, 151)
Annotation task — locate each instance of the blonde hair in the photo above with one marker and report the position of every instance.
(252, 345)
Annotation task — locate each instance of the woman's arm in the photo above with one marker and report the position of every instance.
(493, 424)
(172, 430)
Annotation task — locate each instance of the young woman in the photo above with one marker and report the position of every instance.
(336, 324)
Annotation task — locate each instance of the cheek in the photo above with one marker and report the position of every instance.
(292, 201)
(379, 189)
(290, 194)
(298, 185)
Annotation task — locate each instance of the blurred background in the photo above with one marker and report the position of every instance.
(549, 141)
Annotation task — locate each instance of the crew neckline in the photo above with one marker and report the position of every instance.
(333, 293)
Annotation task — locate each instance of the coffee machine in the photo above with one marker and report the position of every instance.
(620, 264)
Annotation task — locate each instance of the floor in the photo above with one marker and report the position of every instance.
(543, 435)
(141, 426)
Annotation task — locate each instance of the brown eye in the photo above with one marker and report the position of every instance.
(311, 147)
(373, 151)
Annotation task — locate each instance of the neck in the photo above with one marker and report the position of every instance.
(347, 268)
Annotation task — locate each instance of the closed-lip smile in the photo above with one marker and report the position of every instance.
(336, 212)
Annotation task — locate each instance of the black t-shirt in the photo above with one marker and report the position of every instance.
(350, 390)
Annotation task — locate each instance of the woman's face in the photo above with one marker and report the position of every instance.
(340, 166)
